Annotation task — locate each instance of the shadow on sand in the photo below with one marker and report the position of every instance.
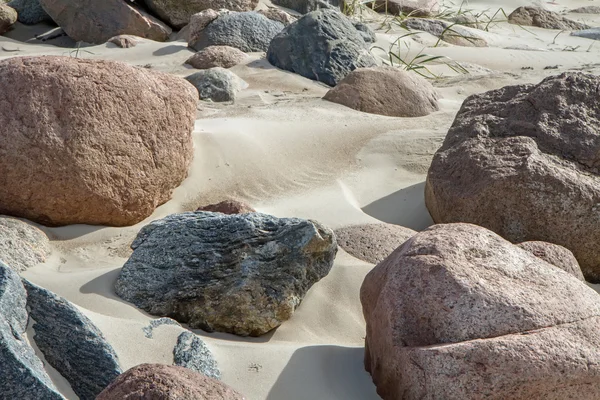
(406, 207)
(324, 372)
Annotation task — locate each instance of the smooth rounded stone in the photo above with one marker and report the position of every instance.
(123, 135)
(247, 31)
(277, 14)
(323, 45)
(217, 56)
(555, 255)
(457, 312)
(167, 382)
(95, 21)
(8, 16)
(306, 6)
(228, 207)
(22, 245)
(71, 343)
(416, 8)
(537, 144)
(23, 376)
(446, 31)
(592, 33)
(177, 13)
(217, 84)
(125, 41)
(372, 242)
(537, 16)
(192, 353)
(385, 91)
(243, 274)
(30, 11)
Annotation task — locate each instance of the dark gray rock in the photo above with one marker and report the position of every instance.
(367, 33)
(71, 343)
(22, 374)
(216, 84)
(322, 45)
(155, 323)
(244, 273)
(22, 245)
(191, 352)
(592, 33)
(306, 6)
(247, 31)
(30, 12)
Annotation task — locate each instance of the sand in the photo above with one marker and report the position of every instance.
(287, 152)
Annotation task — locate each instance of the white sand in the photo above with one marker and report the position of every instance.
(289, 153)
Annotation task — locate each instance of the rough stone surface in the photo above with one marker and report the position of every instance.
(199, 22)
(30, 11)
(277, 14)
(416, 8)
(306, 6)
(385, 91)
(71, 343)
(155, 323)
(91, 141)
(191, 352)
(555, 255)
(244, 274)
(536, 16)
(592, 33)
(22, 245)
(95, 21)
(217, 84)
(228, 207)
(125, 41)
(177, 13)
(8, 16)
(247, 31)
(167, 382)
(217, 56)
(23, 375)
(538, 146)
(457, 312)
(323, 45)
(454, 34)
(367, 33)
(372, 242)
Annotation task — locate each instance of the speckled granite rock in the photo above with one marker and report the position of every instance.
(191, 352)
(22, 245)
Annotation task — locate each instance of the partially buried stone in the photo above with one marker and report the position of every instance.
(22, 245)
(244, 274)
(191, 352)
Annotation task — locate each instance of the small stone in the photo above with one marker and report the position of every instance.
(22, 245)
(217, 56)
(217, 84)
(191, 352)
(228, 207)
(125, 41)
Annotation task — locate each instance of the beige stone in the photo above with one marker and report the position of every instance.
(8, 16)
(217, 56)
(555, 255)
(91, 141)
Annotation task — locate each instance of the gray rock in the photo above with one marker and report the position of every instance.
(71, 343)
(192, 353)
(30, 11)
(592, 33)
(247, 31)
(22, 245)
(155, 323)
(454, 34)
(23, 376)
(306, 6)
(322, 45)
(244, 273)
(367, 33)
(537, 16)
(217, 84)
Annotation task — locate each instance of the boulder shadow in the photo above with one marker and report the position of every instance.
(406, 207)
(168, 50)
(325, 372)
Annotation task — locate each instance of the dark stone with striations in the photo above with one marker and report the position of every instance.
(243, 274)
(247, 31)
(22, 374)
(30, 12)
(323, 45)
(191, 352)
(71, 343)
